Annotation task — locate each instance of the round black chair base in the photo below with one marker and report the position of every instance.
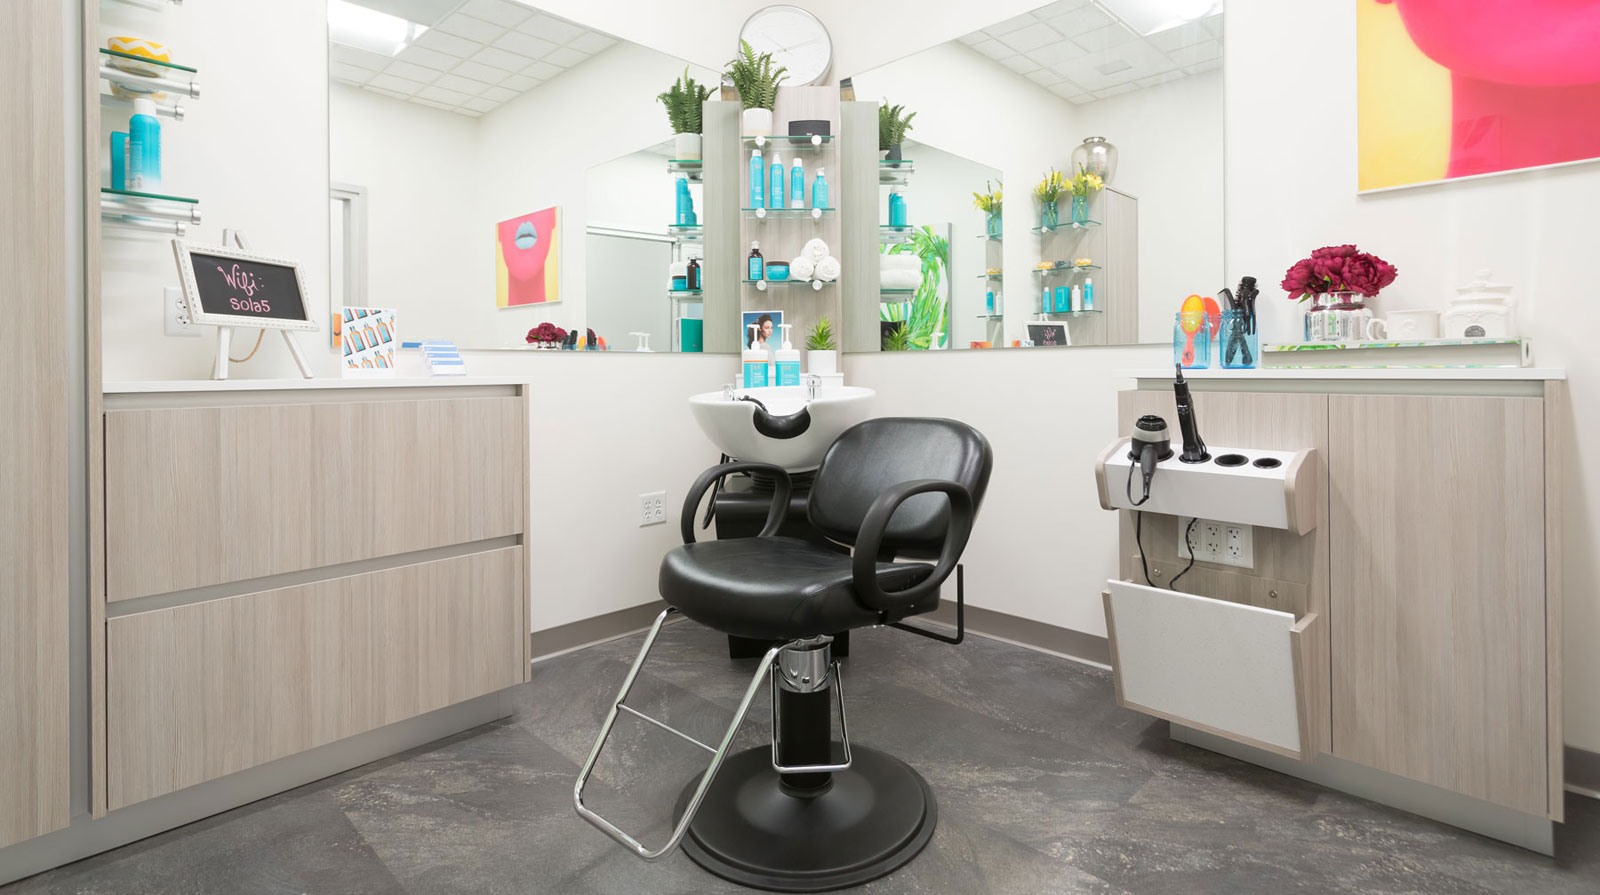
(874, 819)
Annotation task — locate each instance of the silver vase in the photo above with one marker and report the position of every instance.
(1095, 156)
(1337, 317)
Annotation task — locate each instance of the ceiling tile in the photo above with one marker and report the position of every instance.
(1162, 78)
(525, 44)
(1056, 54)
(361, 58)
(1079, 21)
(994, 49)
(501, 59)
(440, 94)
(542, 71)
(1044, 77)
(1059, 7)
(1105, 38)
(974, 37)
(428, 58)
(499, 94)
(350, 74)
(566, 57)
(519, 83)
(1081, 99)
(443, 107)
(591, 42)
(1201, 52)
(1116, 91)
(1030, 38)
(389, 93)
(1182, 36)
(1209, 65)
(500, 12)
(470, 28)
(551, 28)
(1065, 89)
(396, 84)
(1020, 64)
(412, 72)
(479, 104)
(461, 85)
(1108, 68)
(1214, 24)
(434, 39)
(1015, 23)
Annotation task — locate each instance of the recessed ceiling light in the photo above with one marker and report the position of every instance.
(1148, 17)
(357, 26)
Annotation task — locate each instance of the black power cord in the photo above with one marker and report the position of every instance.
(1188, 541)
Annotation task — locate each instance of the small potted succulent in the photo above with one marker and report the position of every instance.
(822, 352)
(988, 202)
(757, 81)
(546, 335)
(892, 129)
(1048, 191)
(684, 101)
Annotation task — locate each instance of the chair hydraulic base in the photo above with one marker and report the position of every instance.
(870, 821)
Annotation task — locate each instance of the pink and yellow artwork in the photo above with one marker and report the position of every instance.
(527, 259)
(1464, 88)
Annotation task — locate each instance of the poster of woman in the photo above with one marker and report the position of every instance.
(1448, 89)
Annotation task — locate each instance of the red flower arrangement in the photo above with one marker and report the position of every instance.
(1338, 269)
(546, 332)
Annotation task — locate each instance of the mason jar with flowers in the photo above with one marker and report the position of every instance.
(1338, 281)
(546, 335)
(1083, 185)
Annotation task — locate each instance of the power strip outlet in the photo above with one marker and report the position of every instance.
(652, 508)
(1223, 543)
(175, 314)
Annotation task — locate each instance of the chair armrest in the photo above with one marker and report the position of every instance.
(864, 565)
(780, 495)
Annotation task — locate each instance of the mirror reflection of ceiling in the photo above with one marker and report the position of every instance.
(1087, 50)
(473, 57)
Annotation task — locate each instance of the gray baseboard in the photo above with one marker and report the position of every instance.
(89, 836)
(552, 642)
(1583, 771)
(1027, 632)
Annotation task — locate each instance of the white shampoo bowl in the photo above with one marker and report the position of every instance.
(730, 424)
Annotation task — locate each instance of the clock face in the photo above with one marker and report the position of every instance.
(796, 40)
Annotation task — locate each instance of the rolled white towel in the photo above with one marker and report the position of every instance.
(802, 268)
(815, 249)
(900, 279)
(828, 269)
(899, 262)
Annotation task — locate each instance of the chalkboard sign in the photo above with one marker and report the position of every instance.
(1048, 335)
(229, 287)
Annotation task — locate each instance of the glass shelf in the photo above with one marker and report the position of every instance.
(160, 197)
(1068, 225)
(175, 111)
(692, 169)
(897, 292)
(991, 276)
(153, 212)
(813, 213)
(1074, 268)
(145, 4)
(688, 232)
(888, 234)
(161, 76)
(986, 236)
(762, 285)
(1083, 313)
(686, 294)
(991, 316)
(895, 173)
(788, 142)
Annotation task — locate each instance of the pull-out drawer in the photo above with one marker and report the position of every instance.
(1233, 670)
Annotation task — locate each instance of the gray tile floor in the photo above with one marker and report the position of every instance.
(1044, 786)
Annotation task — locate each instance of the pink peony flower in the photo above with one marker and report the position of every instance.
(1341, 268)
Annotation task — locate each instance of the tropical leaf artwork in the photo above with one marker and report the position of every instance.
(928, 312)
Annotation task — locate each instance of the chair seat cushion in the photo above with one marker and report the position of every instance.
(776, 588)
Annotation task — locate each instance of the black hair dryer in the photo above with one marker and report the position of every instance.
(1150, 445)
(1194, 450)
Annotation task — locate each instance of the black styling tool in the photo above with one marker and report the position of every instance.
(1150, 445)
(1194, 450)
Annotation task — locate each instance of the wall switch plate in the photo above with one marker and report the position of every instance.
(652, 508)
(1223, 543)
(175, 314)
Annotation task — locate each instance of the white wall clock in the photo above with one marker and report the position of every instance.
(796, 40)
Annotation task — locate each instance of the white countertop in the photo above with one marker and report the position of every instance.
(247, 385)
(1470, 374)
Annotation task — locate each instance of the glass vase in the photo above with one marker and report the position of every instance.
(1080, 209)
(992, 224)
(1337, 317)
(1049, 217)
(1095, 156)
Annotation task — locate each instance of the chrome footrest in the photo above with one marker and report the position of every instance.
(844, 730)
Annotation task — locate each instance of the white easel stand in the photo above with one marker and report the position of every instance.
(219, 370)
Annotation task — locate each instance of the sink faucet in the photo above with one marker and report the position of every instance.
(813, 382)
(728, 391)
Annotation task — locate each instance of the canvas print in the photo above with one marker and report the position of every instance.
(527, 259)
(369, 340)
(1464, 88)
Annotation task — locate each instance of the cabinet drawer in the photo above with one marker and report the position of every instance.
(198, 496)
(1229, 669)
(199, 691)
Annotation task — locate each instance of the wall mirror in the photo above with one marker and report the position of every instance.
(995, 111)
(495, 167)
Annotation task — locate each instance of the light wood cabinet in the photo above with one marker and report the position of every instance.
(207, 689)
(1438, 547)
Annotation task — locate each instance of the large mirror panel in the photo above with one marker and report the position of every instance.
(495, 167)
(1129, 92)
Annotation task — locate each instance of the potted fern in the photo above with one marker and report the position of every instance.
(683, 101)
(822, 352)
(757, 81)
(892, 129)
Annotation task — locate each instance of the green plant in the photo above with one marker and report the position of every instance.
(821, 338)
(755, 78)
(683, 101)
(988, 202)
(891, 127)
(929, 309)
(1083, 183)
(1051, 187)
(898, 339)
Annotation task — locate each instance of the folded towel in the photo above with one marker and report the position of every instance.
(815, 249)
(900, 279)
(828, 269)
(802, 268)
(899, 262)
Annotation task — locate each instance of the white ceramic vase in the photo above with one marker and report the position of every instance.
(757, 122)
(822, 363)
(686, 147)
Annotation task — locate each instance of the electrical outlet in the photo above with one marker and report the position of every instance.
(652, 508)
(1222, 543)
(175, 314)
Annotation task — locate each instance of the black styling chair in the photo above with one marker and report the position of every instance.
(809, 815)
